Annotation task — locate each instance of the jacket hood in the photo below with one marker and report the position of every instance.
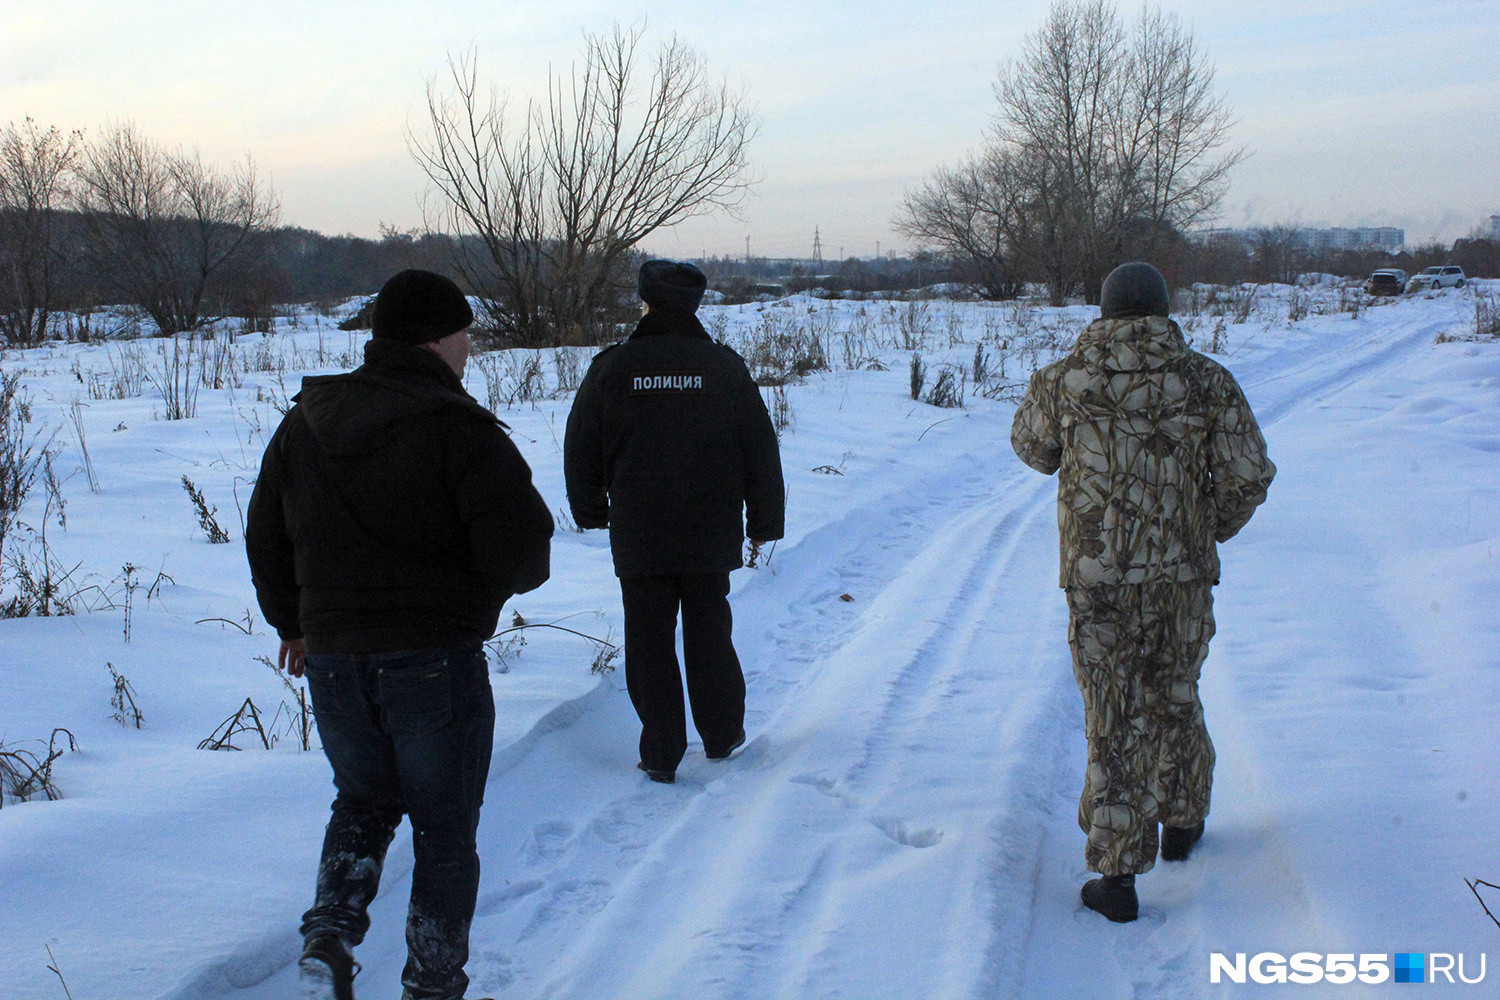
(1131, 344)
(354, 413)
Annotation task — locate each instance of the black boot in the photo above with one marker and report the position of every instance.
(732, 748)
(1177, 841)
(326, 968)
(665, 777)
(1113, 896)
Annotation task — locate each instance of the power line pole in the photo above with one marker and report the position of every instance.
(817, 249)
(747, 251)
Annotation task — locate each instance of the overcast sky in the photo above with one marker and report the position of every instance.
(1372, 113)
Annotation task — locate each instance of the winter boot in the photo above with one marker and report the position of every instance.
(1177, 841)
(1113, 896)
(732, 748)
(665, 777)
(327, 968)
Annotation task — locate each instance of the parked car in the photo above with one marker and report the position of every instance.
(1433, 278)
(1387, 281)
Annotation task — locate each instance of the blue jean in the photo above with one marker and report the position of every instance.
(408, 733)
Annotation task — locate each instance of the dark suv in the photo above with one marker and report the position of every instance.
(1385, 283)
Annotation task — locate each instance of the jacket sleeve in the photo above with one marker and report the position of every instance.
(1240, 469)
(765, 490)
(268, 547)
(1034, 433)
(583, 454)
(509, 526)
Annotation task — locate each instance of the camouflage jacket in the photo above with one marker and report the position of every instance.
(1158, 454)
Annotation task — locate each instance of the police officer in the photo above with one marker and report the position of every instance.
(669, 445)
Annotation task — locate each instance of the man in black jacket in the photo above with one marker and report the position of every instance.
(391, 520)
(669, 445)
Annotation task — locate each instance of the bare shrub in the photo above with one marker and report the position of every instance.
(947, 388)
(1296, 306)
(915, 325)
(508, 642)
(25, 773)
(75, 417)
(126, 378)
(511, 377)
(123, 700)
(245, 722)
(298, 711)
(782, 417)
(567, 370)
(918, 375)
(174, 378)
(206, 514)
(1486, 315)
(20, 457)
(780, 349)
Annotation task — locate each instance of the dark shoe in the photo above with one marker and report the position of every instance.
(732, 748)
(665, 777)
(1113, 896)
(326, 969)
(1177, 841)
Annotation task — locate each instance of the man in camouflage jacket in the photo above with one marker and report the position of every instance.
(1159, 458)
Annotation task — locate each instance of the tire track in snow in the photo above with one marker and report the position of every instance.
(812, 836)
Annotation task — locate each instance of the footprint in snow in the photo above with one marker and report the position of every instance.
(549, 840)
(493, 902)
(906, 834)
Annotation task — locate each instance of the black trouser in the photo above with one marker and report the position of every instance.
(407, 733)
(715, 685)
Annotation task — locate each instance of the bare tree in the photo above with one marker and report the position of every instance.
(1277, 254)
(1127, 121)
(34, 170)
(975, 217)
(163, 227)
(548, 205)
(1115, 141)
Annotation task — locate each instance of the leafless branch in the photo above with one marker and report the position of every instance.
(548, 202)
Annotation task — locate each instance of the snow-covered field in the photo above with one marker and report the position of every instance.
(902, 822)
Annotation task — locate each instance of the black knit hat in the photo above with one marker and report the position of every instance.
(418, 307)
(1133, 290)
(667, 286)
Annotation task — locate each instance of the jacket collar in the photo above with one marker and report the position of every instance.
(655, 324)
(1131, 344)
(395, 356)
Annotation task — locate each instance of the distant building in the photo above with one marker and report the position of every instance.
(1388, 238)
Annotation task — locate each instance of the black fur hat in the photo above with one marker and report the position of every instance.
(1134, 289)
(418, 307)
(667, 286)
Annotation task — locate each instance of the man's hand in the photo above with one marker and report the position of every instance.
(293, 652)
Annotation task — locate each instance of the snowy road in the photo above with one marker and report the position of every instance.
(902, 821)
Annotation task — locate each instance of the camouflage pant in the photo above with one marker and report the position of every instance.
(1137, 652)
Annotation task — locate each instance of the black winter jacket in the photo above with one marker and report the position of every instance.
(670, 446)
(392, 511)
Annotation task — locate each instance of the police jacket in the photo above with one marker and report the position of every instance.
(669, 445)
(392, 511)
